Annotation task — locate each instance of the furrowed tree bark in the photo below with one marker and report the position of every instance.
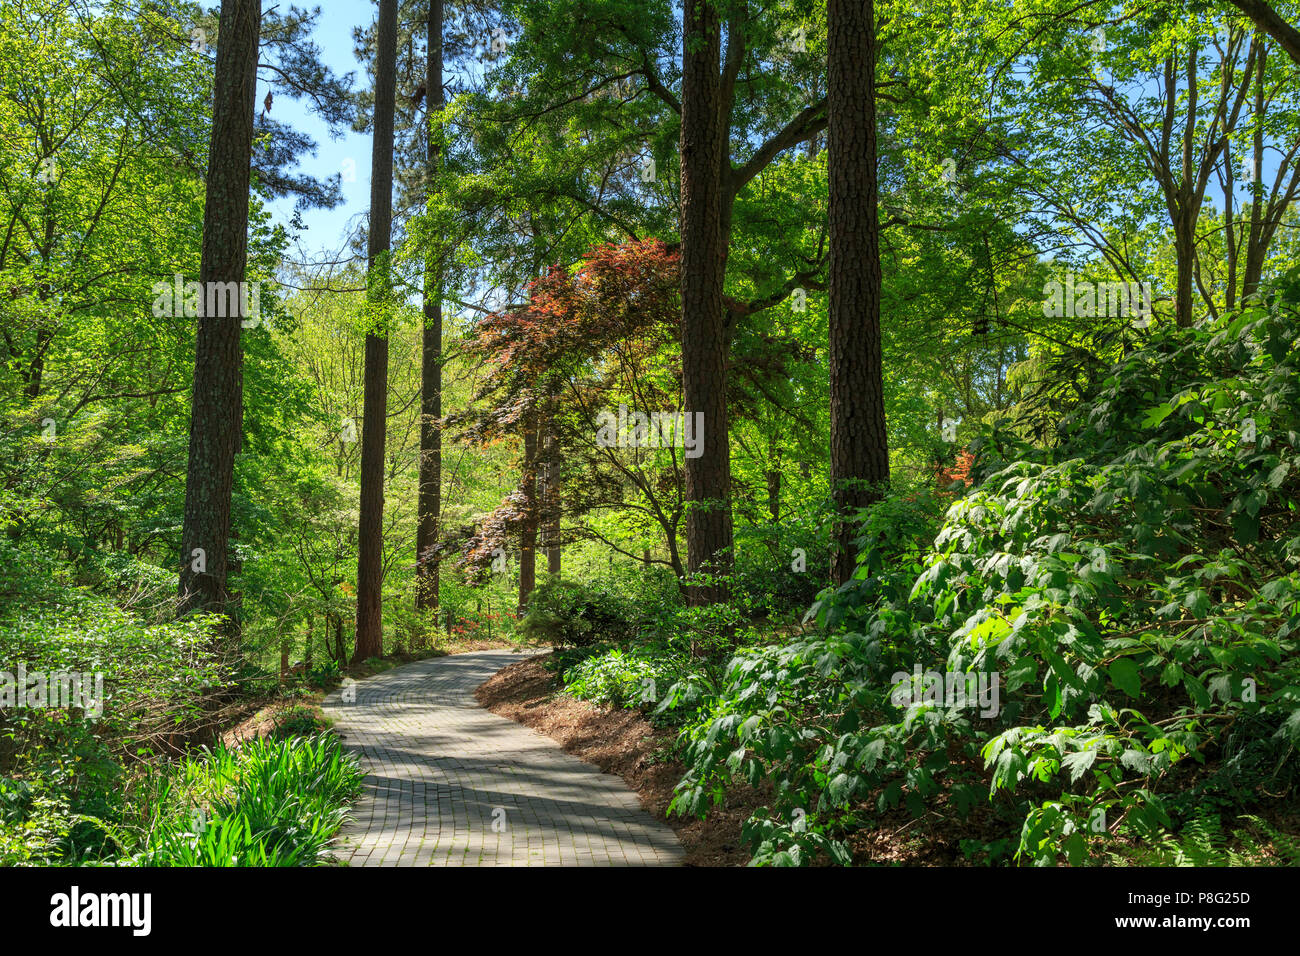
(704, 151)
(216, 417)
(430, 493)
(370, 530)
(859, 446)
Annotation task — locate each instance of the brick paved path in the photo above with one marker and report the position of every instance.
(451, 784)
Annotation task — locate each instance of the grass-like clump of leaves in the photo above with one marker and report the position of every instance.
(267, 803)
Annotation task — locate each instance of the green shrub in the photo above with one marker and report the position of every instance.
(708, 632)
(153, 673)
(632, 678)
(780, 568)
(568, 614)
(323, 674)
(298, 721)
(1133, 590)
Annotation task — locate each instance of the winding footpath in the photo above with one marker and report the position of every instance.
(450, 784)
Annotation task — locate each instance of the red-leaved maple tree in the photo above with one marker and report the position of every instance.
(586, 340)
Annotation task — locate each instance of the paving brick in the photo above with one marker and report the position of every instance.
(450, 784)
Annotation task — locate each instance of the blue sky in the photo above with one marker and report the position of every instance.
(326, 228)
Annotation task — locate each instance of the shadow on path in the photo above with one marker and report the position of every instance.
(450, 784)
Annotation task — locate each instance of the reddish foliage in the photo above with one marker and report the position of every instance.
(958, 471)
(621, 300)
(585, 336)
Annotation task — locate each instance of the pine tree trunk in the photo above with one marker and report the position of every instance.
(216, 417)
(430, 494)
(370, 531)
(859, 447)
(703, 268)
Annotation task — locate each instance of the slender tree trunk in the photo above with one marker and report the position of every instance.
(430, 494)
(551, 504)
(1229, 236)
(1256, 245)
(36, 371)
(704, 150)
(774, 495)
(216, 417)
(773, 475)
(1186, 209)
(859, 446)
(1184, 254)
(370, 531)
(528, 533)
(340, 652)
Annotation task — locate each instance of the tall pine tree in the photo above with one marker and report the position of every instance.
(216, 417)
(704, 152)
(859, 447)
(370, 531)
(430, 493)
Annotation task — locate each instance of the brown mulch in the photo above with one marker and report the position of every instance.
(625, 743)
(265, 721)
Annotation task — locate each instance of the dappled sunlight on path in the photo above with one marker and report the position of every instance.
(450, 784)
